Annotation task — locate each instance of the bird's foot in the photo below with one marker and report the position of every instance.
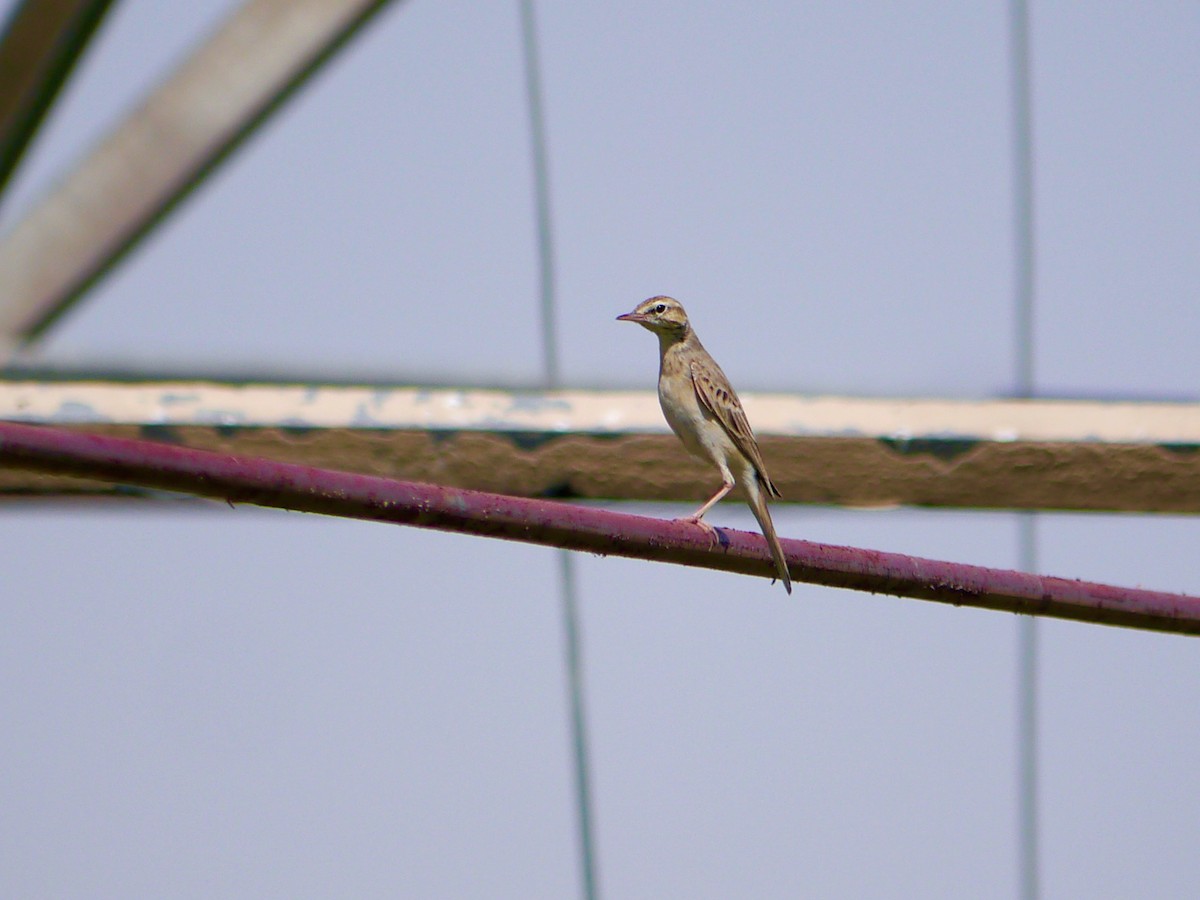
(714, 533)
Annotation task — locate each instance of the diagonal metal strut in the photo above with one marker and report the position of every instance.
(164, 149)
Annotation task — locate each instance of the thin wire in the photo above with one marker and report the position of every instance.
(1027, 627)
(1027, 730)
(579, 741)
(552, 374)
(1022, 98)
(541, 189)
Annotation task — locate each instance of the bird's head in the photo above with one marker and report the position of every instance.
(662, 315)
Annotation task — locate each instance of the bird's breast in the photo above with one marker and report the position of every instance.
(699, 432)
(681, 409)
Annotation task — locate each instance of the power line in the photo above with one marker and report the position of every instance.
(552, 373)
(1023, 299)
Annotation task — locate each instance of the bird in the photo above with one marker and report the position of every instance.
(704, 411)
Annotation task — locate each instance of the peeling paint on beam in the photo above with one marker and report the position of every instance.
(613, 444)
(302, 488)
(910, 425)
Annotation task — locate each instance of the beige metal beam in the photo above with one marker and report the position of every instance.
(1026, 454)
(163, 150)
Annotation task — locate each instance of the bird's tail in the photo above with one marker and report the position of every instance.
(756, 489)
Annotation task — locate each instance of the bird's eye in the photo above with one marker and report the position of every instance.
(661, 308)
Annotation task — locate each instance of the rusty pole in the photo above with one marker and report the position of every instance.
(265, 482)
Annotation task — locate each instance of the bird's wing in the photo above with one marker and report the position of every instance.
(718, 397)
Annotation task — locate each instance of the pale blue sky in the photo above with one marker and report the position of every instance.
(242, 703)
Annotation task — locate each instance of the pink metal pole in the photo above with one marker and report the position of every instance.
(288, 486)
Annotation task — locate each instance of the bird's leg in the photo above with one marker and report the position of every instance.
(712, 501)
(697, 518)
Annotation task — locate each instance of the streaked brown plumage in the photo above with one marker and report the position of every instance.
(703, 409)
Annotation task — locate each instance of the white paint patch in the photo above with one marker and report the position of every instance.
(420, 408)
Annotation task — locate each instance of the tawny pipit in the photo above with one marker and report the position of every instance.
(704, 411)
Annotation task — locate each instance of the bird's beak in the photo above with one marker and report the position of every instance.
(630, 317)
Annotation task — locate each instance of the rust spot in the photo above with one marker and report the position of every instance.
(163, 434)
(298, 430)
(945, 450)
(530, 440)
(560, 491)
(1181, 449)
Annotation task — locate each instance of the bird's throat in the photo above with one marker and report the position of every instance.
(669, 340)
